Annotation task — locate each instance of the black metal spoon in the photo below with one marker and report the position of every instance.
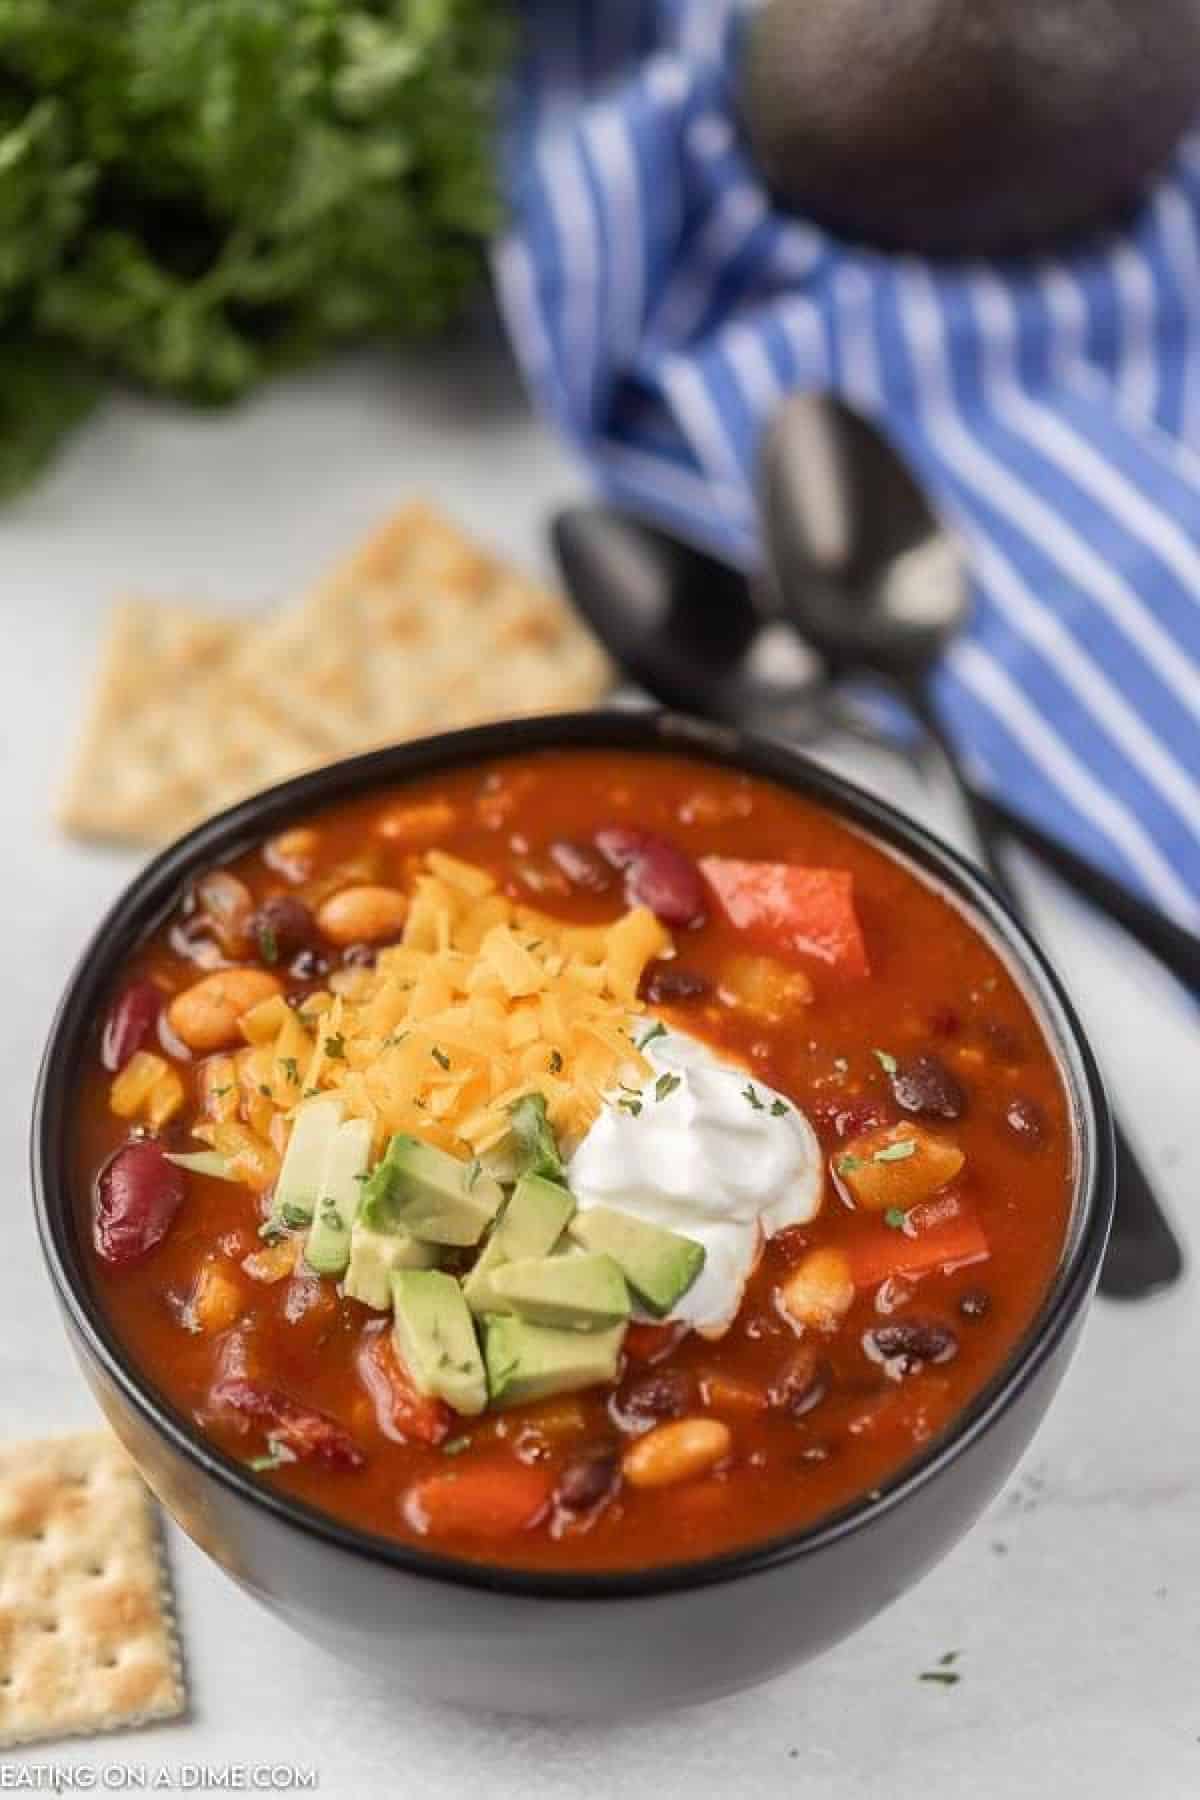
(638, 588)
(874, 581)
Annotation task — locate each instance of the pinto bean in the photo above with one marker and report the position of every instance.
(131, 1020)
(925, 1086)
(363, 915)
(205, 1016)
(588, 1478)
(677, 1452)
(802, 1383)
(657, 874)
(281, 927)
(224, 905)
(137, 1196)
(908, 1344)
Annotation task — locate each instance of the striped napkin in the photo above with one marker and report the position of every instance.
(661, 307)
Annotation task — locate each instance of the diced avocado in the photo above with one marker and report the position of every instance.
(313, 1130)
(374, 1258)
(530, 1225)
(327, 1247)
(660, 1266)
(536, 1146)
(532, 1362)
(434, 1335)
(431, 1195)
(578, 1293)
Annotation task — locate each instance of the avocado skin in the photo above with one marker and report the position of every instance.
(968, 126)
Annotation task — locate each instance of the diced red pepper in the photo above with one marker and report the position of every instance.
(492, 1499)
(307, 1433)
(941, 1233)
(404, 1414)
(791, 910)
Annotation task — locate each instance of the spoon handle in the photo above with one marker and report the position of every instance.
(1143, 1252)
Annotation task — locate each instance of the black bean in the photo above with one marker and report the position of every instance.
(802, 1383)
(281, 927)
(583, 866)
(661, 1394)
(588, 1478)
(1027, 1122)
(907, 1344)
(924, 1085)
(663, 984)
(976, 1303)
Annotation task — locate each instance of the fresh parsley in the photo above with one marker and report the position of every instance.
(440, 1057)
(750, 1093)
(556, 1062)
(665, 1086)
(779, 1108)
(886, 1061)
(291, 1069)
(657, 1030)
(335, 1046)
(268, 944)
(293, 1216)
(474, 1171)
(631, 1104)
(896, 1217)
(900, 1151)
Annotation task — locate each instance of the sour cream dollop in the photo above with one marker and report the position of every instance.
(705, 1149)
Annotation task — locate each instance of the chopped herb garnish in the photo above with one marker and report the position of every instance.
(779, 1108)
(750, 1093)
(393, 1038)
(846, 1165)
(264, 1090)
(331, 1216)
(474, 1171)
(218, 1092)
(440, 1057)
(310, 1093)
(665, 1086)
(895, 1216)
(900, 1151)
(291, 1069)
(535, 944)
(556, 1062)
(272, 1460)
(943, 1677)
(335, 1046)
(886, 1061)
(292, 1215)
(657, 1030)
(631, 1105)
(271, 1230)
(455, 1446)
(951, 1656)
(268, 944)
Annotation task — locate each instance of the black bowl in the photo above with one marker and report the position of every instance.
(569, 1643)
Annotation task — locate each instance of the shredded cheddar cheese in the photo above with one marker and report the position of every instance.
(483, 1001)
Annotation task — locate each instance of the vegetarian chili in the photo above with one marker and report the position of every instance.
(579, 1162)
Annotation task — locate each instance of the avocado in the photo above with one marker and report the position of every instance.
(429, 1194)
(327, 1247)
(531, 1362)
(530, 1225)
(434, 1335)
(374, 1258)
(967, 126)
(585, 1292)
(313, 1129)
(660, 1266)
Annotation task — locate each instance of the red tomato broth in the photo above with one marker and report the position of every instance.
(935, 984)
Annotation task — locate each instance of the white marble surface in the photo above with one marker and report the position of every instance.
(1075, 1604)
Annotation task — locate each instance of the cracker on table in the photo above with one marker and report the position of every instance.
(171, 737)
(87, 1633)
(305, 668)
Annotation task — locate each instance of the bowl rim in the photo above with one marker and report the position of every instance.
(152, 893)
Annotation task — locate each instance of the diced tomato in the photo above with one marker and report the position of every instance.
(491, 1499)
(303, 1430)
(791, 910)
(403, 1413)
(650, 1343)
(943, 1232)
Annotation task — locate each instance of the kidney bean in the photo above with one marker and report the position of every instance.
(136, 1198)
(1027, 1122)
(583, 867)
(131, 1020)
(664, 1394)
(657, 874)
(907, 1344)
(924, 1085)
(307, 1433)
(281, 927)
(976, 1303)
(802, 1383)
(665, 984)
(588, 1478)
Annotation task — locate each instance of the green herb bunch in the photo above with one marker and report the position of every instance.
(194, 193)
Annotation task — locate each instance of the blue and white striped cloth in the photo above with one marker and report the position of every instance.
(661, 307)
